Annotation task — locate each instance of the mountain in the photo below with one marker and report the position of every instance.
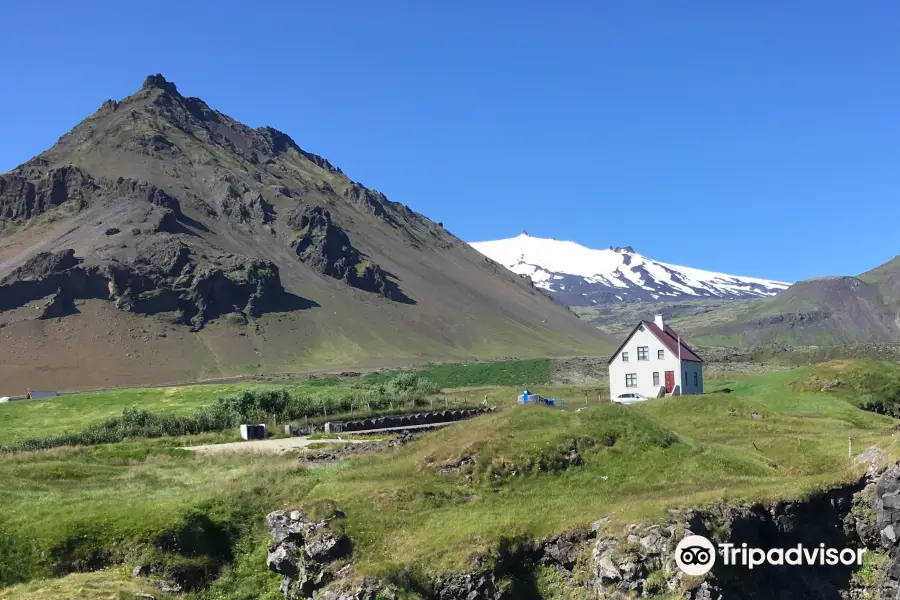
(162, 241)
(820, 311)
(580, 276)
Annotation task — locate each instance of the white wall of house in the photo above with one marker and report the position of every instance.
(649, 375)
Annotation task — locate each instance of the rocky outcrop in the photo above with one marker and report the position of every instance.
(324, 245)
(245, 206)
(32, 190)
(364, 590)
(43, 264)
(637, 560)
(877, 522)
(304, 551)
(165, 277)
(311, 555)
(466, 586)
(365, 199)
(792, 319)
(350, 449)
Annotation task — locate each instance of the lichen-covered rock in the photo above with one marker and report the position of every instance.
(165, 276)
(305, 552)
(368, 589)
(466, 586)
(42, 264)
(324, 245)
(30, 191)
(563, 549)
(368, 200)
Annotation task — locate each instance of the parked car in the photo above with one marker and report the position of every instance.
(629, 398)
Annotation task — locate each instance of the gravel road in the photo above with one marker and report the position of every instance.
(276, 445)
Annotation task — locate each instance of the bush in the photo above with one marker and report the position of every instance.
(249, 406)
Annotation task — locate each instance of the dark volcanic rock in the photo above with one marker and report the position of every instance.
(466, 586)
(29, 192)
(793, 319)
(131, 189)
(165, 277)
(368, 200)
(43, 264)
(58, 305)
(159, 82)
(325, 246)
(304, 551)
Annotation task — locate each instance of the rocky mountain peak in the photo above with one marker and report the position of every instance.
(160, 83)
(581, 276)
(181, 216)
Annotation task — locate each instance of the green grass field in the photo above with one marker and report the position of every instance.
(495, 373)
(75, 509)
(73, 412)
(110, 584)
(27, 418)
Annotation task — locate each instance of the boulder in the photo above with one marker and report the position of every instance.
(303, 551)
(141, 571)
(466, 586)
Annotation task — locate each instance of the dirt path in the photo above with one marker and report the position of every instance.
(275, 446)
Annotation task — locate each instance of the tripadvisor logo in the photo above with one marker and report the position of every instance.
(696, 555)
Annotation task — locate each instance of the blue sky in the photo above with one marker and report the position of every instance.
(757, 138)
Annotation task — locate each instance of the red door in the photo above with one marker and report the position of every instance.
(670, 381)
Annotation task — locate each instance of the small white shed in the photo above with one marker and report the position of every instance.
(253, 432)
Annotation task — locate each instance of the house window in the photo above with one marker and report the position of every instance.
(695, 378)
(631, 380)
(624, 357)
(661, 354)
(656, 379)
(643, 353)
(685, 377)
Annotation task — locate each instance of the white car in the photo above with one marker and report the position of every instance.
(629, 398)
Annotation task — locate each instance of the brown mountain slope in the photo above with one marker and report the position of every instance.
(821, 311)
(160, 241)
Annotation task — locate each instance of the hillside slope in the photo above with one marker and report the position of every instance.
(825, 310)
(161, 240)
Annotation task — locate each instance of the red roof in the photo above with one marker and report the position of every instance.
(669, 338)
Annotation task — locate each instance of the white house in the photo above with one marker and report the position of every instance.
(654, 361)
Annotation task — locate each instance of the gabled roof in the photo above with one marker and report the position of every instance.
(668, 337)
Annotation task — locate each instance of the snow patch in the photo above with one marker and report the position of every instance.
(545, 260)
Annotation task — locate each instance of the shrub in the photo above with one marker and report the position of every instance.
(248, 406)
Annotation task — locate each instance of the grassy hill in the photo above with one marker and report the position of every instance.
(533, 472)
(816, 312)
(821, 311)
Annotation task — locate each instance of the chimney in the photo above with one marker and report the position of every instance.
(659, 322)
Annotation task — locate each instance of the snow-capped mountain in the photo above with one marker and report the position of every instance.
(580, 276)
